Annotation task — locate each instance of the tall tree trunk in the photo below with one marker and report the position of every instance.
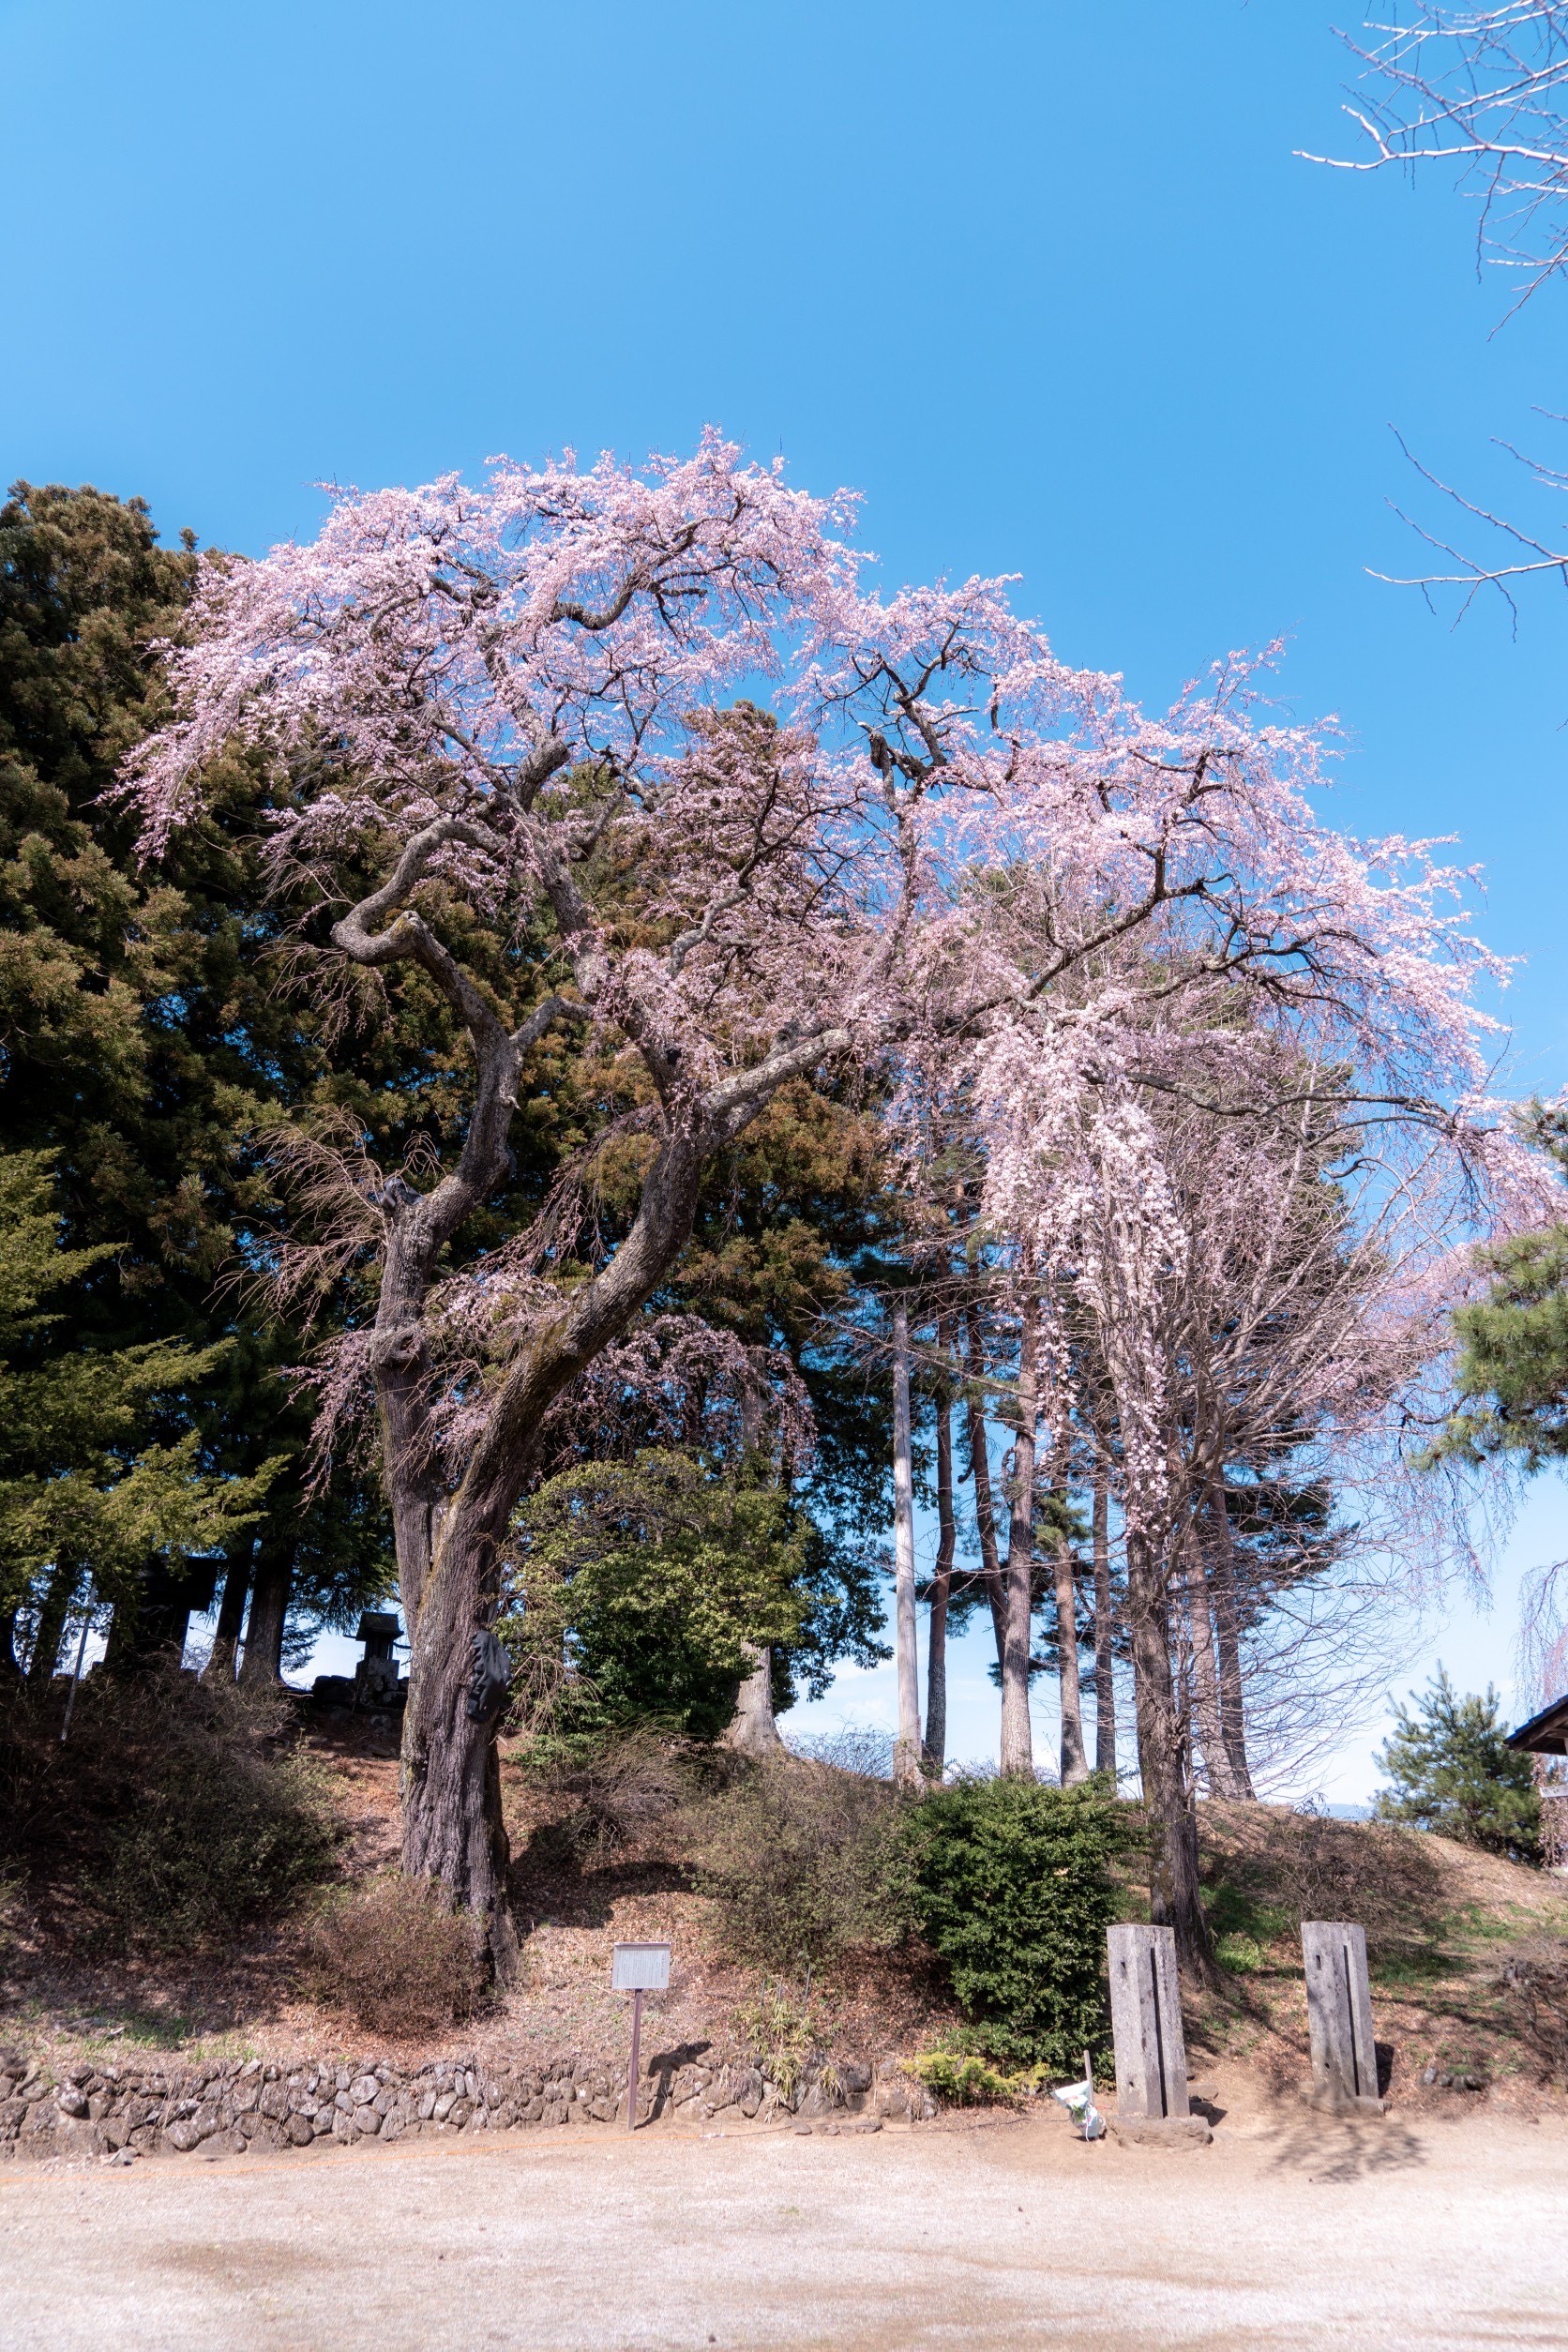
(1104, 1633)
(942, 1589)
(906, 1751)
(453, 1829)
(219, 1667)
(752, 1730)
(1173, 1879)
(1231, 1707)
(52, 1611)
(1205, 1670)
(1074, 1762)
(10, 1670)
(1018, 1739)
(985, 1506)
(262, 1662)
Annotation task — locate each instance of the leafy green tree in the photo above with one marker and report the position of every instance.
(640, 1586)
(82, 1487)
(1453, 1771)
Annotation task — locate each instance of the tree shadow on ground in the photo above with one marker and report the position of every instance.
(546, 1883)
(1342, 2149)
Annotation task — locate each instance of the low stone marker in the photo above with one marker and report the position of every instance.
(1339, 2017)
(1151, 2106)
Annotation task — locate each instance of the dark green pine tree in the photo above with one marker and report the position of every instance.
(1452, 1770)
(147, 1046)
(1513, 1369)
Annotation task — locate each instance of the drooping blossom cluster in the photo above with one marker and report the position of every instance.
(937, 847)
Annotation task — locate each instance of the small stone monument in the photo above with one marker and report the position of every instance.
(375, 1677)
(1339, 2017)
(1152, 2103)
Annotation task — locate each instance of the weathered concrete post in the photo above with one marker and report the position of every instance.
(1339, 2016)
(1146, 2022)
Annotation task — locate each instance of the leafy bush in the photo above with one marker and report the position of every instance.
(1013, 1890)
(175, 1813)
(802, 1861)
(392, 1953)
(1453, 1771)
(781, 2029)
(967, 2081)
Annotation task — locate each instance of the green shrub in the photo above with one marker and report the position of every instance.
(967, 2081)
(396, 1955)
(227, 1826)
(1013, 1890)
(781, 2029)
(803, 1861)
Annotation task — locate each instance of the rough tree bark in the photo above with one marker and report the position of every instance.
(261, 1660)
(1223, 1578)
(942, 1590)
(980, 1477)
(906, 1751)
(1105, 1634)
(752, 1730)
(1075, 1761)
(52, 1611)
(1017, 1741)
(1205, 1670)
(219, 1667)
(1173, 1880)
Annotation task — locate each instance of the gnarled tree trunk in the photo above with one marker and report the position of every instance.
(453, 1829)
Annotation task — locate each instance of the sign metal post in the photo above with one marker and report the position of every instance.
(638, 1968)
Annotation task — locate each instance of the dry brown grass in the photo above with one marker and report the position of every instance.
(391, 1953)
(1289, 1867)
(1533, 1985)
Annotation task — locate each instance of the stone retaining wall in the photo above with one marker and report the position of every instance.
(130, 2110)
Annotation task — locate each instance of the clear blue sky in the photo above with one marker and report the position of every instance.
(1045, 282)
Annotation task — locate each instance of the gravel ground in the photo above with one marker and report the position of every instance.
(1285, 2233)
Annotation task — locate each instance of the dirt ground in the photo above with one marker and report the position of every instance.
(1289, 2231)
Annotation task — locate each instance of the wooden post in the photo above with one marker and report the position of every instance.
(1339, 2016)
(1150, 2053)
(634, 2085)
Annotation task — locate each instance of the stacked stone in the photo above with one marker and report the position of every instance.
(102, 2111)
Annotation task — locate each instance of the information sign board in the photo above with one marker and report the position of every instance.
(640, 1968)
